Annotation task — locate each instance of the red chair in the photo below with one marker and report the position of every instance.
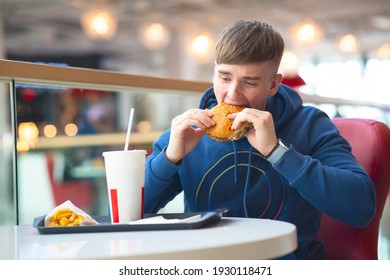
(370, 142)
(79, 192)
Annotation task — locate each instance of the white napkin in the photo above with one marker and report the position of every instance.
(162, 220)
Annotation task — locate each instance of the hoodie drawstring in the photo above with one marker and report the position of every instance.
(248, 175)
(246, 186)
(235, 162)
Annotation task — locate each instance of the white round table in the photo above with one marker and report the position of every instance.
(231, 238)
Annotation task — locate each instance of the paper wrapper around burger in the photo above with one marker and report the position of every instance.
(67, 214)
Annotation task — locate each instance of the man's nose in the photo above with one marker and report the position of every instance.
(234, 91)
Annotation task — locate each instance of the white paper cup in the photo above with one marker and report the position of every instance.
(125, 175)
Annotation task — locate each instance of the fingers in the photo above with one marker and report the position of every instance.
(194, 117)
(259, 119)
(262, 135)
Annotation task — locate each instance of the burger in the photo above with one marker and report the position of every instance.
(222, 131)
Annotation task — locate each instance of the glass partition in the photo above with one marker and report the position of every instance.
(7, 175)
(62, 133)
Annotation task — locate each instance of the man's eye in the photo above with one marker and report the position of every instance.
(248, 83)
(225, 78)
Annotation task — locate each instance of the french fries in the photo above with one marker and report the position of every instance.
(65, 217)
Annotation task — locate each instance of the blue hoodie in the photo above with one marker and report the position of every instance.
(318, 174)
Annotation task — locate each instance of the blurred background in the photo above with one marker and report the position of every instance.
(336, 49)
(339, 48)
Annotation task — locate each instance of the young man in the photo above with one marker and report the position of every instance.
(291, 166)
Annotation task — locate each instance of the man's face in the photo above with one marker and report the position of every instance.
(245, 84)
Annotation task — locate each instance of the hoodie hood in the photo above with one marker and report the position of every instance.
(285, 103)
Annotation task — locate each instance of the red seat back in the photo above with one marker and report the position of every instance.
(79, 192)
(370, 142)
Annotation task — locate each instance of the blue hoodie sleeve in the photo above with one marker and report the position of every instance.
(328, 175)
(162, 183)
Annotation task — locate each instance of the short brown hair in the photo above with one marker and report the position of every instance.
(248, 41)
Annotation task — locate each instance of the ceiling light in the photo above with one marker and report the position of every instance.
(50, 130)
(383, 52)
(71, 129)
(99, 24)
(349, 43)
(28, 133)
(307, 32)
(154, 36)
(201, 47)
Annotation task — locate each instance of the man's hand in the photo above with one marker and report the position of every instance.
(186, 131)
(262, 135)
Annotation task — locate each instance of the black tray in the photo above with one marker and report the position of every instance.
(105, 225)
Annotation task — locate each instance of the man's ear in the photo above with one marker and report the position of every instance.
(275, 84)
